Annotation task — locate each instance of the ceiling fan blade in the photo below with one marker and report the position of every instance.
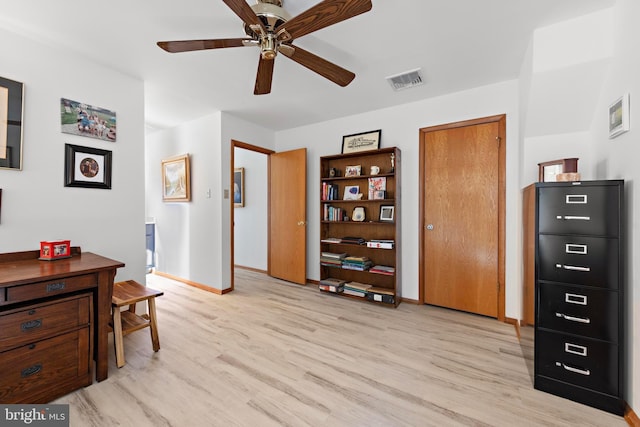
(244, 12)
(325, 13)
(264, 77)
(326, 69)
(190, 45)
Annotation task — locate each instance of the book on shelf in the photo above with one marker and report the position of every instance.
(329, 191)
(331, 213)
(333, 255)
(382, 291)
(331, 288)
(332, 281)
(356, 289)
(331, 240)
(354, 240)
(383, 269)
(376, 183)
(379, 244)
(380, 295)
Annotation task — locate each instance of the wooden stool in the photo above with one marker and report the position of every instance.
(129, 293)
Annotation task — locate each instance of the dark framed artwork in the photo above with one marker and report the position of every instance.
(87, 167)
(361, 141)
(11, 113)
(176, 179)
(238, 187)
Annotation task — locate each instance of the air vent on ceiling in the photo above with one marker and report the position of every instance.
(406, 80)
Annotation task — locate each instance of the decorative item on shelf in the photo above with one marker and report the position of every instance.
(393, 161)
(352, 192)
(11, 122)
(176, 179)
(352, 170)
(619, 116)
(358, 214)
(569, 176)
(379, 195)
(374, 170)
(333, 172)
(361, 141)
(376, 184)
(56, 249)
(386, 213)
(548, 171)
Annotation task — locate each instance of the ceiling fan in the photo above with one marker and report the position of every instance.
(273, 30)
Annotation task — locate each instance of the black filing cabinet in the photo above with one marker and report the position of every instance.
(579, 343)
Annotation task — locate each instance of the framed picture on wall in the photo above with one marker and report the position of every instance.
(11, 115)
(238, 187)
(619, 116)
(176, 179)
(87, 167)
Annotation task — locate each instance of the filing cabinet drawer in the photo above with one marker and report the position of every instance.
(20, 327)
(592, 261)
(579, 209)
(580, 361)
(51, 288)
(45, 370)
(578, 310)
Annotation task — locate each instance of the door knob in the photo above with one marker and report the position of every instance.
(302, 223)
(429, 227)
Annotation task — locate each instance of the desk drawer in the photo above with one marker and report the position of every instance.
(46, 370)
(51, 288)
(581, 361)
(24, 326)
(589, 312)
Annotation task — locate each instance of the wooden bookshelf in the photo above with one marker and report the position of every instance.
(372, 228)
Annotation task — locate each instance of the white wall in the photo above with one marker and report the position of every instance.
(250, 230)
(618, 159)
(400, 127)
(35, 204)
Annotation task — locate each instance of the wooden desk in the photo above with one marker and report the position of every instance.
(25, 280)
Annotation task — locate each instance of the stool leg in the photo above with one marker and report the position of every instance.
(153, 324)
(117, 337)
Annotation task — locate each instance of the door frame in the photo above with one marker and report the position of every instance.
(238, 144)
(502, 150)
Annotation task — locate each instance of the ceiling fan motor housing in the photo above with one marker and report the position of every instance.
(270, 13)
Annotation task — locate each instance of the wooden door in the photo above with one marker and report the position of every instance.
(288, 216)
(461, 231)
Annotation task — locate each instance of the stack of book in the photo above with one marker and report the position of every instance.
(331, 213)
(357, 289)
(359, 263)
(383, 269)
(329, 192)
(331, 240)
(332, 285)
(331, 259)
(354, 240)
(381, 243)
(380, 295)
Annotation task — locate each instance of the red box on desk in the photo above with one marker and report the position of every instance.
(55, 250)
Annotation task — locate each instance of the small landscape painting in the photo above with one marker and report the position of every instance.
(82, 119)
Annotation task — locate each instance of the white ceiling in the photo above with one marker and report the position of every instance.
(459, 44)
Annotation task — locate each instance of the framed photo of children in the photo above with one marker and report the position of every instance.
(78, 118)
(87, 167)
(176, 179)
(238, 187)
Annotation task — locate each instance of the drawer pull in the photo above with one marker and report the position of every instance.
(575, 349)
(32, 370)
(574, 370)
(573, 319)
(571, 248)
(572, 199)
(573, 267)
(575, 299)
(53, 287)
(31, 324)
(574, 218)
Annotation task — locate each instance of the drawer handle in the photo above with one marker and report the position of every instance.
(575, 218)
(572, 248)
(574, 370)
(572, 199)
(573, 267)
(575, 349)
(32, 370)
(573, 319)
(53, 287)
(575, 299)
(31, 324)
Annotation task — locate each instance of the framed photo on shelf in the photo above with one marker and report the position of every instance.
(619, 116)
(87, 167)
(238, 188)
(352, 192)
(547, 171)
(176, 179)
(361, 141)
(386, 213)
(352, 170)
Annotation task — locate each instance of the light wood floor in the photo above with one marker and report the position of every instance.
(276, 354)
